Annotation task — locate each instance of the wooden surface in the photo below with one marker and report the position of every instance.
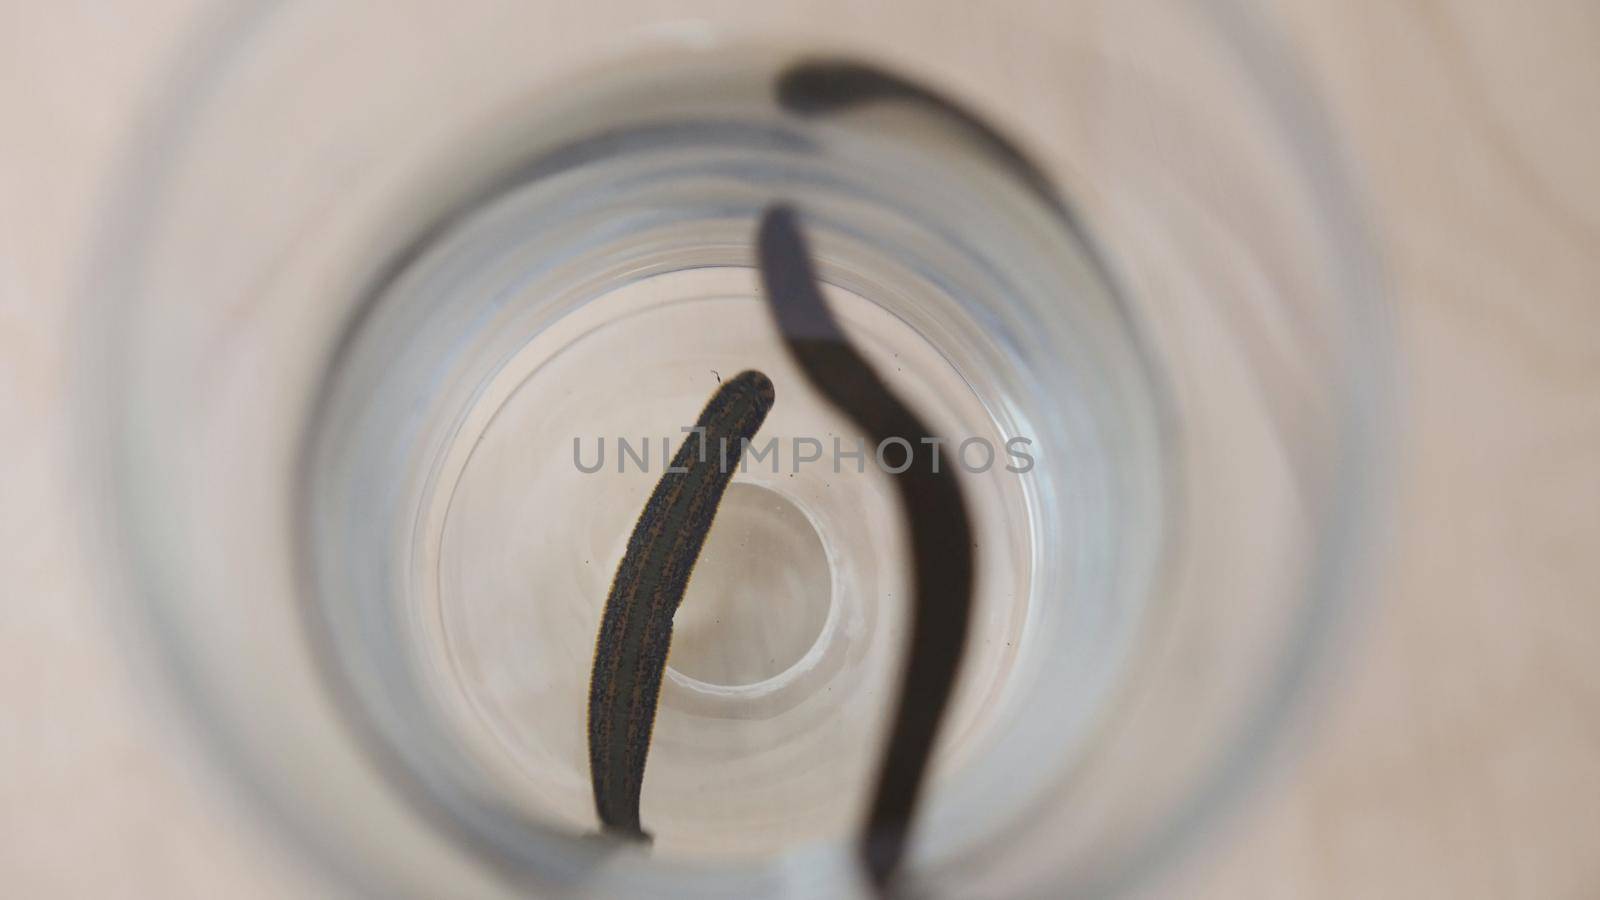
(1460, 751)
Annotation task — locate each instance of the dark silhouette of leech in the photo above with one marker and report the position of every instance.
(935, 513)
(815, 87)
(826, 86)
(636, 628)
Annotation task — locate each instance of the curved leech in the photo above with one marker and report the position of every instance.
(636, 628)
(935, 513)
(825, 86)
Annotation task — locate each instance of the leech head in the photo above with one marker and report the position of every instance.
(755, 385)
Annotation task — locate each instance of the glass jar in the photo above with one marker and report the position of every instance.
(375, 284)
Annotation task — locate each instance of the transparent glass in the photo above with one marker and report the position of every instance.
(370, 279)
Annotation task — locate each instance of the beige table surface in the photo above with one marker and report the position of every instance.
(1459, 753)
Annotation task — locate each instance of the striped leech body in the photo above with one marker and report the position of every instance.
(636, 627)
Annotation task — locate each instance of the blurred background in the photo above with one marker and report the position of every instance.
(1456, 752)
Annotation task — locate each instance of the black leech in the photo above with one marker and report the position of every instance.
(636, 628)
